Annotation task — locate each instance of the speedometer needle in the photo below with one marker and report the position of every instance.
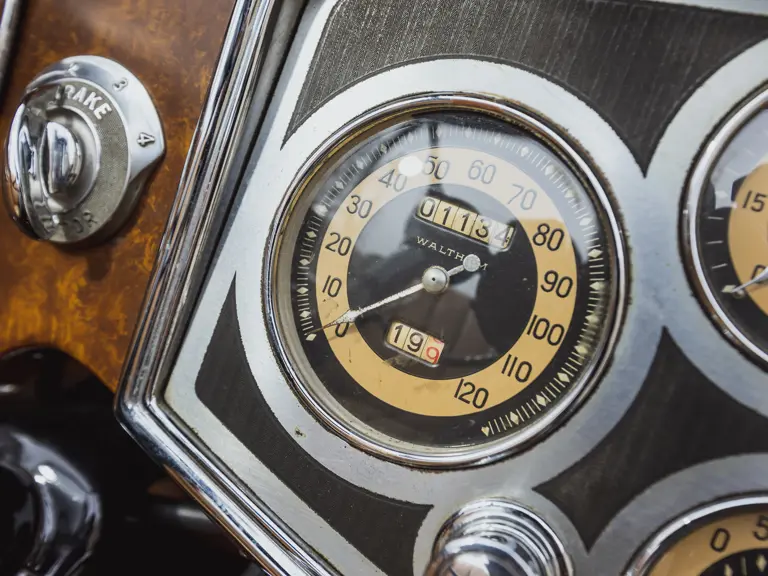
(759, 279)
(434, 280)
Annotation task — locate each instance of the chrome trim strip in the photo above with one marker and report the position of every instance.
(255, 43)
(9, 25)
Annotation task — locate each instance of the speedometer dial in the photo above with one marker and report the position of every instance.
(727, 228)
(444, 282)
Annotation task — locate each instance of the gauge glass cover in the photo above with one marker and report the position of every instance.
(482, 271)
(722, 539)
(726, 228)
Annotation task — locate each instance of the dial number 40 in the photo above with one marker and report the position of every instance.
(394, 180)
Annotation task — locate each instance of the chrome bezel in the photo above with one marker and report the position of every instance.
(654, 549)
(704, 166)
(251, 55)
(321, 403)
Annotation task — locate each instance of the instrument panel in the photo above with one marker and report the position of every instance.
(492, 307)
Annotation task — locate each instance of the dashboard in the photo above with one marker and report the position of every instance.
(472, 288)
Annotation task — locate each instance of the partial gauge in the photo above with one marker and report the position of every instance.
(445, 278)
(728, 538)
(726, 228)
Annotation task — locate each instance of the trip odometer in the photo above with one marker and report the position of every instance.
(444, 281)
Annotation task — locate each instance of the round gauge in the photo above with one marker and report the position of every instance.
(726, 228)
(444, 281)
(724, 539)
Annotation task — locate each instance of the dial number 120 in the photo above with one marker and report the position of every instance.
(468, 393)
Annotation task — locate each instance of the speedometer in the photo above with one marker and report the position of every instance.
(444, 281)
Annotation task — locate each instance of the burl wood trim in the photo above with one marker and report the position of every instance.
(86, 301)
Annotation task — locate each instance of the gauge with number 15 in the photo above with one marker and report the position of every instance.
(725, 226)
(444, 281)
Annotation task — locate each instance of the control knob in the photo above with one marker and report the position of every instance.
(83, 142)
(498, 538)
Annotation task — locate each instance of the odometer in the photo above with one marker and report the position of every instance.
(444, 282)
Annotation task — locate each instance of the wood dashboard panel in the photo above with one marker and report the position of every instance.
(86, 301)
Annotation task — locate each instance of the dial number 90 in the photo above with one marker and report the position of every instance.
(560, 285)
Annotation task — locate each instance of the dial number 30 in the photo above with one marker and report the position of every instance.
(359, 206)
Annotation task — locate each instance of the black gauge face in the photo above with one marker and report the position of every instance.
(728, 231)
(732, 543)
(446, 282)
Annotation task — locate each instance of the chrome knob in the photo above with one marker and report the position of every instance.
(61, 158)
(82, 145)
(44, 161)
(498, 538)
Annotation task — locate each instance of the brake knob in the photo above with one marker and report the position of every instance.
(82, 144)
